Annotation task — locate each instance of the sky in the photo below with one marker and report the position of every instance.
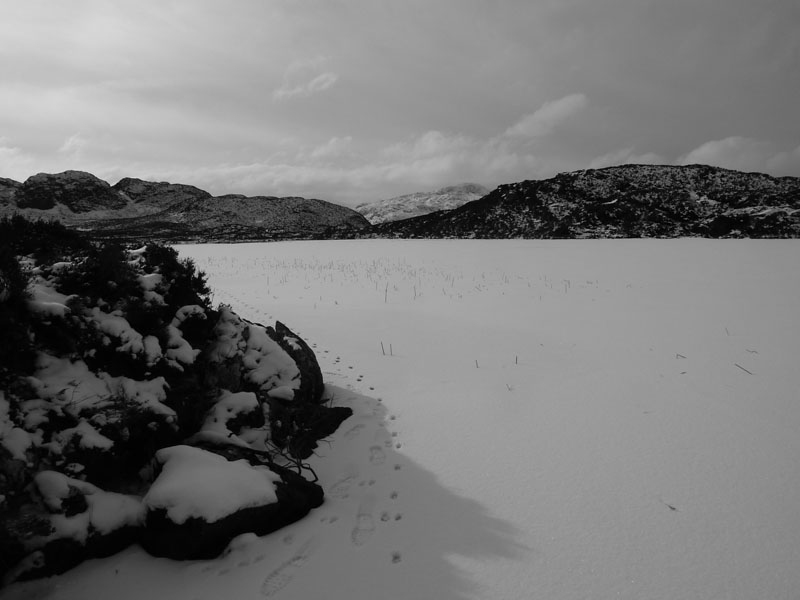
(358, 100)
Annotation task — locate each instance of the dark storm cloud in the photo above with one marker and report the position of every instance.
(356, 100)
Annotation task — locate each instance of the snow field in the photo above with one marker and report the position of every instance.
(533, 419)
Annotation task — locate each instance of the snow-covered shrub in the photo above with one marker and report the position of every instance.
(112, 355)
(187, 285)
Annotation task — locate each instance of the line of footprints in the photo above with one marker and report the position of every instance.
(365, 521)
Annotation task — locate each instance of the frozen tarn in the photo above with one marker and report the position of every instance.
(605, 445)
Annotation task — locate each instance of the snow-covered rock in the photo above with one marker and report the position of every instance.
(200, 501)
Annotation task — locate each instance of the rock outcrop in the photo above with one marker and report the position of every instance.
(78, 191)
(8, 189)
(161, 195)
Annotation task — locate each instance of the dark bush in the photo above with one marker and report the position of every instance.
(45, 241)
(104, 274)
(16, 352)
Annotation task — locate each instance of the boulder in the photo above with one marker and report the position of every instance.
(312, 386)
(197, 517)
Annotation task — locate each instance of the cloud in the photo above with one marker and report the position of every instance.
(745, 154)
(547, 117)
(785, 163)
(430, 144)
(350, 170)
(626, 156)
(305, 78)
(14, 162)
(335, 147)
(74, 145)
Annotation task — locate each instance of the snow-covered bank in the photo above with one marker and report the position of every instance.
(550, 420)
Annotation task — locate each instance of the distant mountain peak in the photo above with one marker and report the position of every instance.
(421, 203)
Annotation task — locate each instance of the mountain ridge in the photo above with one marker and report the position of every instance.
(138, 209)
(622, 201)
(619, 201)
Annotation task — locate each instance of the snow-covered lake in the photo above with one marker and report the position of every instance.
(533, 419)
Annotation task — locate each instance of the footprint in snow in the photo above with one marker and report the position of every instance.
(353, 431)
(382, 436)
(283, 575)
(341, 488)
(376, 455)
(365, 523)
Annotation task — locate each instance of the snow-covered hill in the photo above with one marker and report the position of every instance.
(624, 201)
(421, 203)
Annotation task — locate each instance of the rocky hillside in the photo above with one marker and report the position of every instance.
(136, 209)
(421, 203)
(624, 201)
(134, 412)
